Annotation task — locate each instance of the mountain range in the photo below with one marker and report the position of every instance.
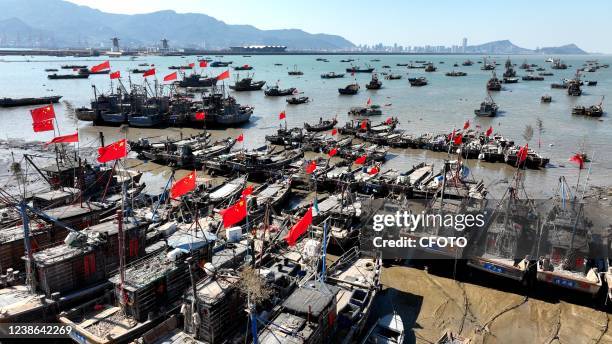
(62, 24)
(56, 23)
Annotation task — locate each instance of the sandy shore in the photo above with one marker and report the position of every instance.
(430, 304)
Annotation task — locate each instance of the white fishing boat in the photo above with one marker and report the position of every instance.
(388, 329)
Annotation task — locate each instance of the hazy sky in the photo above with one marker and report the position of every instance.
(527, 23)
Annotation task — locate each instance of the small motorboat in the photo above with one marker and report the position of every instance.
(488, 108)
(323, 125)
(332, 75)
(276, 91)
(297, 100)
(374, 84)
(547, 98)
(421, 81)
(349, 89)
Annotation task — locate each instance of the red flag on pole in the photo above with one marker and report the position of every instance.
(312, 166)
(299, 228)
(458, 139)
(466, 125)
(115, 75)
(522, 153)
(43, 113)
(41, 126)
(282, 115)
(364, 124)
(203, 63)
(369, 102)
(235, 213)
(489, 131)
(149, 72)
(200, 116)
(361, 160)
(114, 151)
(332, 152)
(65, 139)
(223, 76)
(102, 66)
(578, 159)
(334, 131)
(183, 185)
(170, 77)
(451, 136)
(247, 191)
(240, 138)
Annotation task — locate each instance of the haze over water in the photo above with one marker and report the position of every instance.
(445, 103)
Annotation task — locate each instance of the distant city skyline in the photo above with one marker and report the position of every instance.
(528, 24)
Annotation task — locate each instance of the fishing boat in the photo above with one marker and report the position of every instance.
(510, 72)
(243, 67)
(271, 194)
(573, 87)
(350, 89)
(547, 98)
(276, 91)
(557, 64)
(196, 80)
(332, 75)
(137, 71)
(220, 64)
(510, 80)
(355, 69)
(420, 81)
(227, 190)
(297, 100)
(467, 63)
(323, 125)
(14, 102)
(487, 65)
(430, 67)
(488, 108)
(565, 241)
(591, 83)
(372, 110)
(374, 83)
(393, 76)
(456, 73)
(532, 77)
(247, 84)
(388, 329)
(295, 71)
(180, 67)
(510, 243)
(494, 84)
(590, 111)
(51, 70)
(73, 67)
(534, 160)
(55, 76)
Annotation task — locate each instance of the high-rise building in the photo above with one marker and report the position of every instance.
(464, 45)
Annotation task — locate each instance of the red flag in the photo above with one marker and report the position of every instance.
(489, 131)
(458, 139)
(389, 121)
(200, 116)
(235, 213)
(191, 65)
(183, 185)
(299, 228)
(451, 136)
(114, 151)
(240, 138)
(374, 170)
(102, 66)
(42, 126)
(170, 77)
(364, 124)
(578, 159)
(361, 160)
(223, 76)
(65, 139)
(203, 63)
(369, 102)
(334, 131)
(522, 153)
(282, 115)
(333, 152)
(247, 191)
(312, 166)
(466, 125)
(115, 75)
(149, 72)
(43, 113)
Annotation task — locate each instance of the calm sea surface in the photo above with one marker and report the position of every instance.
(444, 104)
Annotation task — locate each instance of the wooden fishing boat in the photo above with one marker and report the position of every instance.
(275, 91)
(323, 125)
(13, 102)
(350, 89)
(297, 100)
(420, 81)
(332, 75)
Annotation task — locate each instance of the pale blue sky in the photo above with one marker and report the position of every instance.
(527, 23)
